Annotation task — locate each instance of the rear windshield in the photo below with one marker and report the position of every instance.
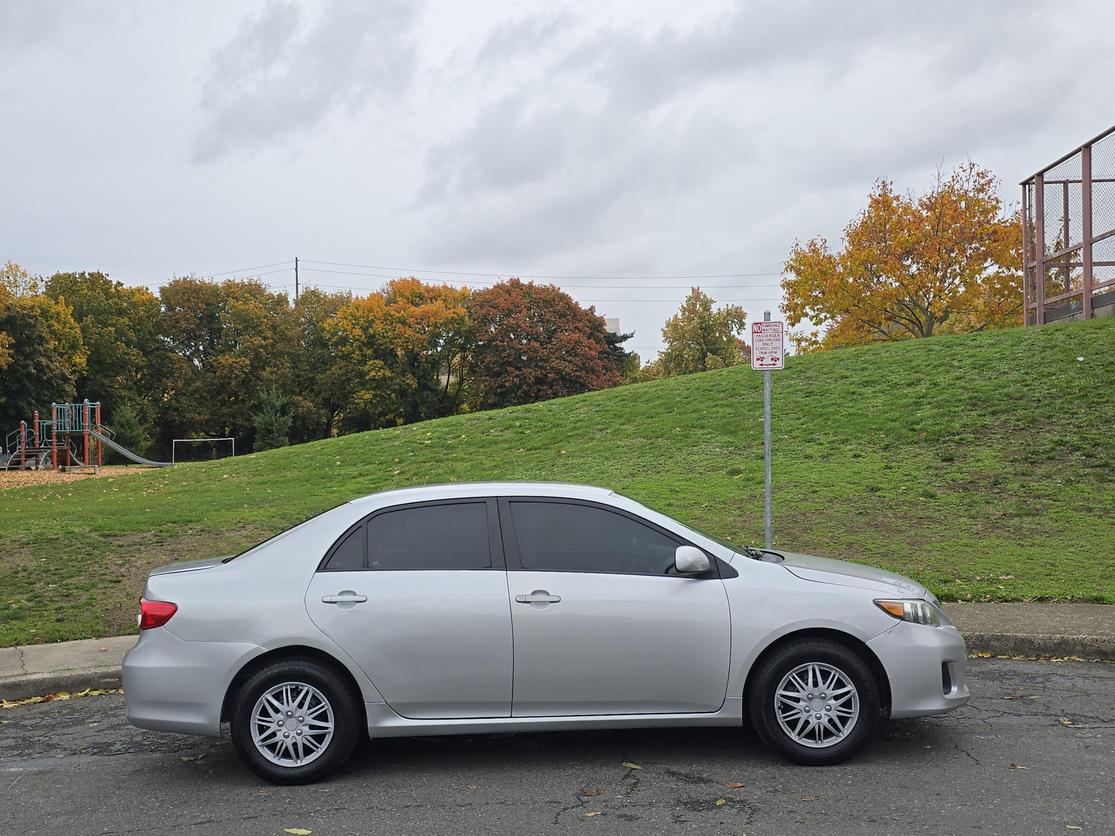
(282, 534)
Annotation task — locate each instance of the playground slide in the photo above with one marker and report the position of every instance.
(125, 452)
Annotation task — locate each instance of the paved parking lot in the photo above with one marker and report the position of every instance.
(1033, 753)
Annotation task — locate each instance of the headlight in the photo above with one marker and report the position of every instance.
(915, 611)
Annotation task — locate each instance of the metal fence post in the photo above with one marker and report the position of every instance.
(1086, 225)
(1039, 247)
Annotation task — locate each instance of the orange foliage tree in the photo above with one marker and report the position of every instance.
(948, 261)
(404, 352)
(534, 342)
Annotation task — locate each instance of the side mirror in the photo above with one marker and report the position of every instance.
(689, 560)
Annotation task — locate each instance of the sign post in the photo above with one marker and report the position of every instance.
(767, 355)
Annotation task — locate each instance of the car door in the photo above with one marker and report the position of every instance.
(417, 595)
(599, 624)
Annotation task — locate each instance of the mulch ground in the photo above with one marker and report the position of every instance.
(20, 478)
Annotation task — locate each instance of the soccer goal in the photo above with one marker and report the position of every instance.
(201, 449)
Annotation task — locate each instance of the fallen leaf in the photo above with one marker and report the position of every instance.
(590, 792)
(593, 813)
(720, 802)
(733, 785)
(1016, 766)
(630, 765)
(297, 831)
(1067, 721)
(1073, 826)
(809, 798)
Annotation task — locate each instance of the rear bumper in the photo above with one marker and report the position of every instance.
(927, 668)
(178, 686)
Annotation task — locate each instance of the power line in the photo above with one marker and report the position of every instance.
(591, 301)
(511, 274)
(489, 282)
(246, 270)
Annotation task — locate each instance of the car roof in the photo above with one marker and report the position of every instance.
(454, 490)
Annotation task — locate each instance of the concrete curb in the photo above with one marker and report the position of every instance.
(38, 669)
(37, 685)
(1007, 644)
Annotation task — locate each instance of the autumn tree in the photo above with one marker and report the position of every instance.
(402, 353)
(534, 342)
(948, 261)
(700, 336)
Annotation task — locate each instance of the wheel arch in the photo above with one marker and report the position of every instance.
(287, 653)
(848, 640)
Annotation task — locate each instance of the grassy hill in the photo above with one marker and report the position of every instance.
(982, 465)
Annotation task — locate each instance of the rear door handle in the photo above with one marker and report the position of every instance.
(344, 598)
(539, 596)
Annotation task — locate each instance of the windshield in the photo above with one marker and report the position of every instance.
(696, 529)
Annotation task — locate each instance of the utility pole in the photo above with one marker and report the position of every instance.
(296, 278)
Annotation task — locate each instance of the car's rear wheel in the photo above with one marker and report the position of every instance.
(814, 702)
(294, 721)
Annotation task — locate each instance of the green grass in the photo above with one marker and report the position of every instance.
(982, 465)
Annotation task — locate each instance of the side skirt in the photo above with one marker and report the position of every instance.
(383, 722)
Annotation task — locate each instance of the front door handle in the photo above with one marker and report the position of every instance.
(539, 596)
(346, 597)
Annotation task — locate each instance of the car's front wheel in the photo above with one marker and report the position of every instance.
(294, 721)
(814, 701)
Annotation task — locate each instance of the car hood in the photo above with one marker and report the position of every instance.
(187, 566)
(825, 570)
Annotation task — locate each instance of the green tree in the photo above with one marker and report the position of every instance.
(120, 331)
(319, 389)
(130, 431)
(534, 342)
(700, 336)
(47, 356)
(227, 343)
(272, 420)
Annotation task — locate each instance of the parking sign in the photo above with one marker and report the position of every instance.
(767, 348)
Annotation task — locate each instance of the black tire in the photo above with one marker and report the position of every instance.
(767, 677)
(339, 695)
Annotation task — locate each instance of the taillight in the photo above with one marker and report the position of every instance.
(155, 613)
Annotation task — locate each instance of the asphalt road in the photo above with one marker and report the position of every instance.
(1033, 753)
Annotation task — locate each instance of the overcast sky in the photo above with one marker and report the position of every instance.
(606, 138)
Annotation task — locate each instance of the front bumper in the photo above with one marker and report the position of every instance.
(927, 668)
(175, 685)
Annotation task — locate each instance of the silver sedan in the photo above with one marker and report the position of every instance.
(527, 607)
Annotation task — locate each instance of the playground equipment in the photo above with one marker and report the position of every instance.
(72, 439)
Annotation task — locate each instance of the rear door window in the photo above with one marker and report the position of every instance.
(447, 536)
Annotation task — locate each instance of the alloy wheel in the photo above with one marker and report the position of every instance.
(292, 724)
(817, 705)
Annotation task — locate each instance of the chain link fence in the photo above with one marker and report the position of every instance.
(1068, 234)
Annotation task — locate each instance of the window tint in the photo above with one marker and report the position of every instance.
(349, 555)
(560, 537)
(430, 537)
